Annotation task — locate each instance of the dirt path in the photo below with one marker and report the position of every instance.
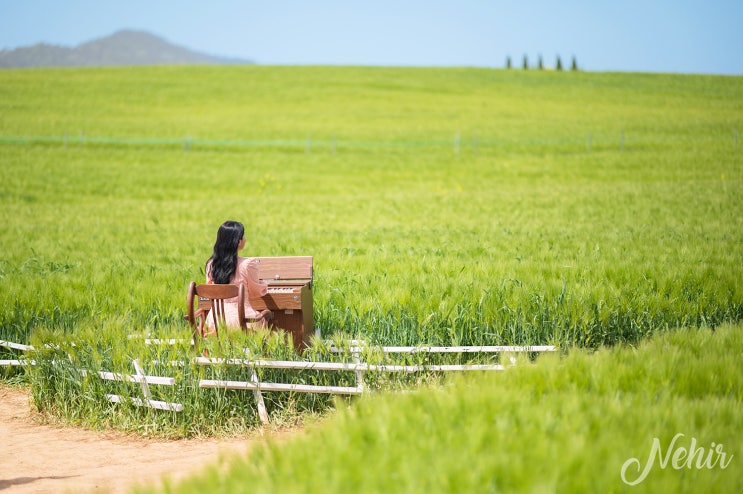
(48, 459)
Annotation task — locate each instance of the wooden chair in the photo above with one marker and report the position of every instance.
(207, 300)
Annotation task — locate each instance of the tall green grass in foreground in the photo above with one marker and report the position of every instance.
(558, 425)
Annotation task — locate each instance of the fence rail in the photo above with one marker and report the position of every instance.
(451, 349)
(343, 366)
(16, 346)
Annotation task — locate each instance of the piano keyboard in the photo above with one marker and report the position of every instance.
(280, 289)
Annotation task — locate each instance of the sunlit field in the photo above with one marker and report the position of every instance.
(442, 207)
(662, 417)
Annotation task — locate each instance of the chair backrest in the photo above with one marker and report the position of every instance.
(210, 300)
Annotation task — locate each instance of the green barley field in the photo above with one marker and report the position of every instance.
(452, 206)
(582, 423)
(442, 207)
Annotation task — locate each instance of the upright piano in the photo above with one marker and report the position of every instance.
(289, 296)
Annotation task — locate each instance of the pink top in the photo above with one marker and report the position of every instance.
(247, 274)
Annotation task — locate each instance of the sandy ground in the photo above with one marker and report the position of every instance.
(39, 458)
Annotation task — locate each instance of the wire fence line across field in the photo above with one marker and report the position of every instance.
(458, 143)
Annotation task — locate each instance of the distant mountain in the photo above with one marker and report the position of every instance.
(121, 48)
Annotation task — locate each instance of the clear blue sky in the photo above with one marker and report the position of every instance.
(691, 36)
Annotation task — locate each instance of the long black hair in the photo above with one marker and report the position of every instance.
(224, 256)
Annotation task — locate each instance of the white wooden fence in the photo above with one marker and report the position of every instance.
(15, 346)
(258, 387)
(144, 382)
(137, 377)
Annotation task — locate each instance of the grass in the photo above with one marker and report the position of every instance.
(575, 209)
(562, 424)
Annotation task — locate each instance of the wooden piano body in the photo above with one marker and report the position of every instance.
(289, 296)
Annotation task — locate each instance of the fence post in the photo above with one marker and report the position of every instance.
(143, 383)
(262, 413)
(359, 373)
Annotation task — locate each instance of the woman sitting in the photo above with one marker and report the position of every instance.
(226, 267)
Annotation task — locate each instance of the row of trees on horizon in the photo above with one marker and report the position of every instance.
(540, 64)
